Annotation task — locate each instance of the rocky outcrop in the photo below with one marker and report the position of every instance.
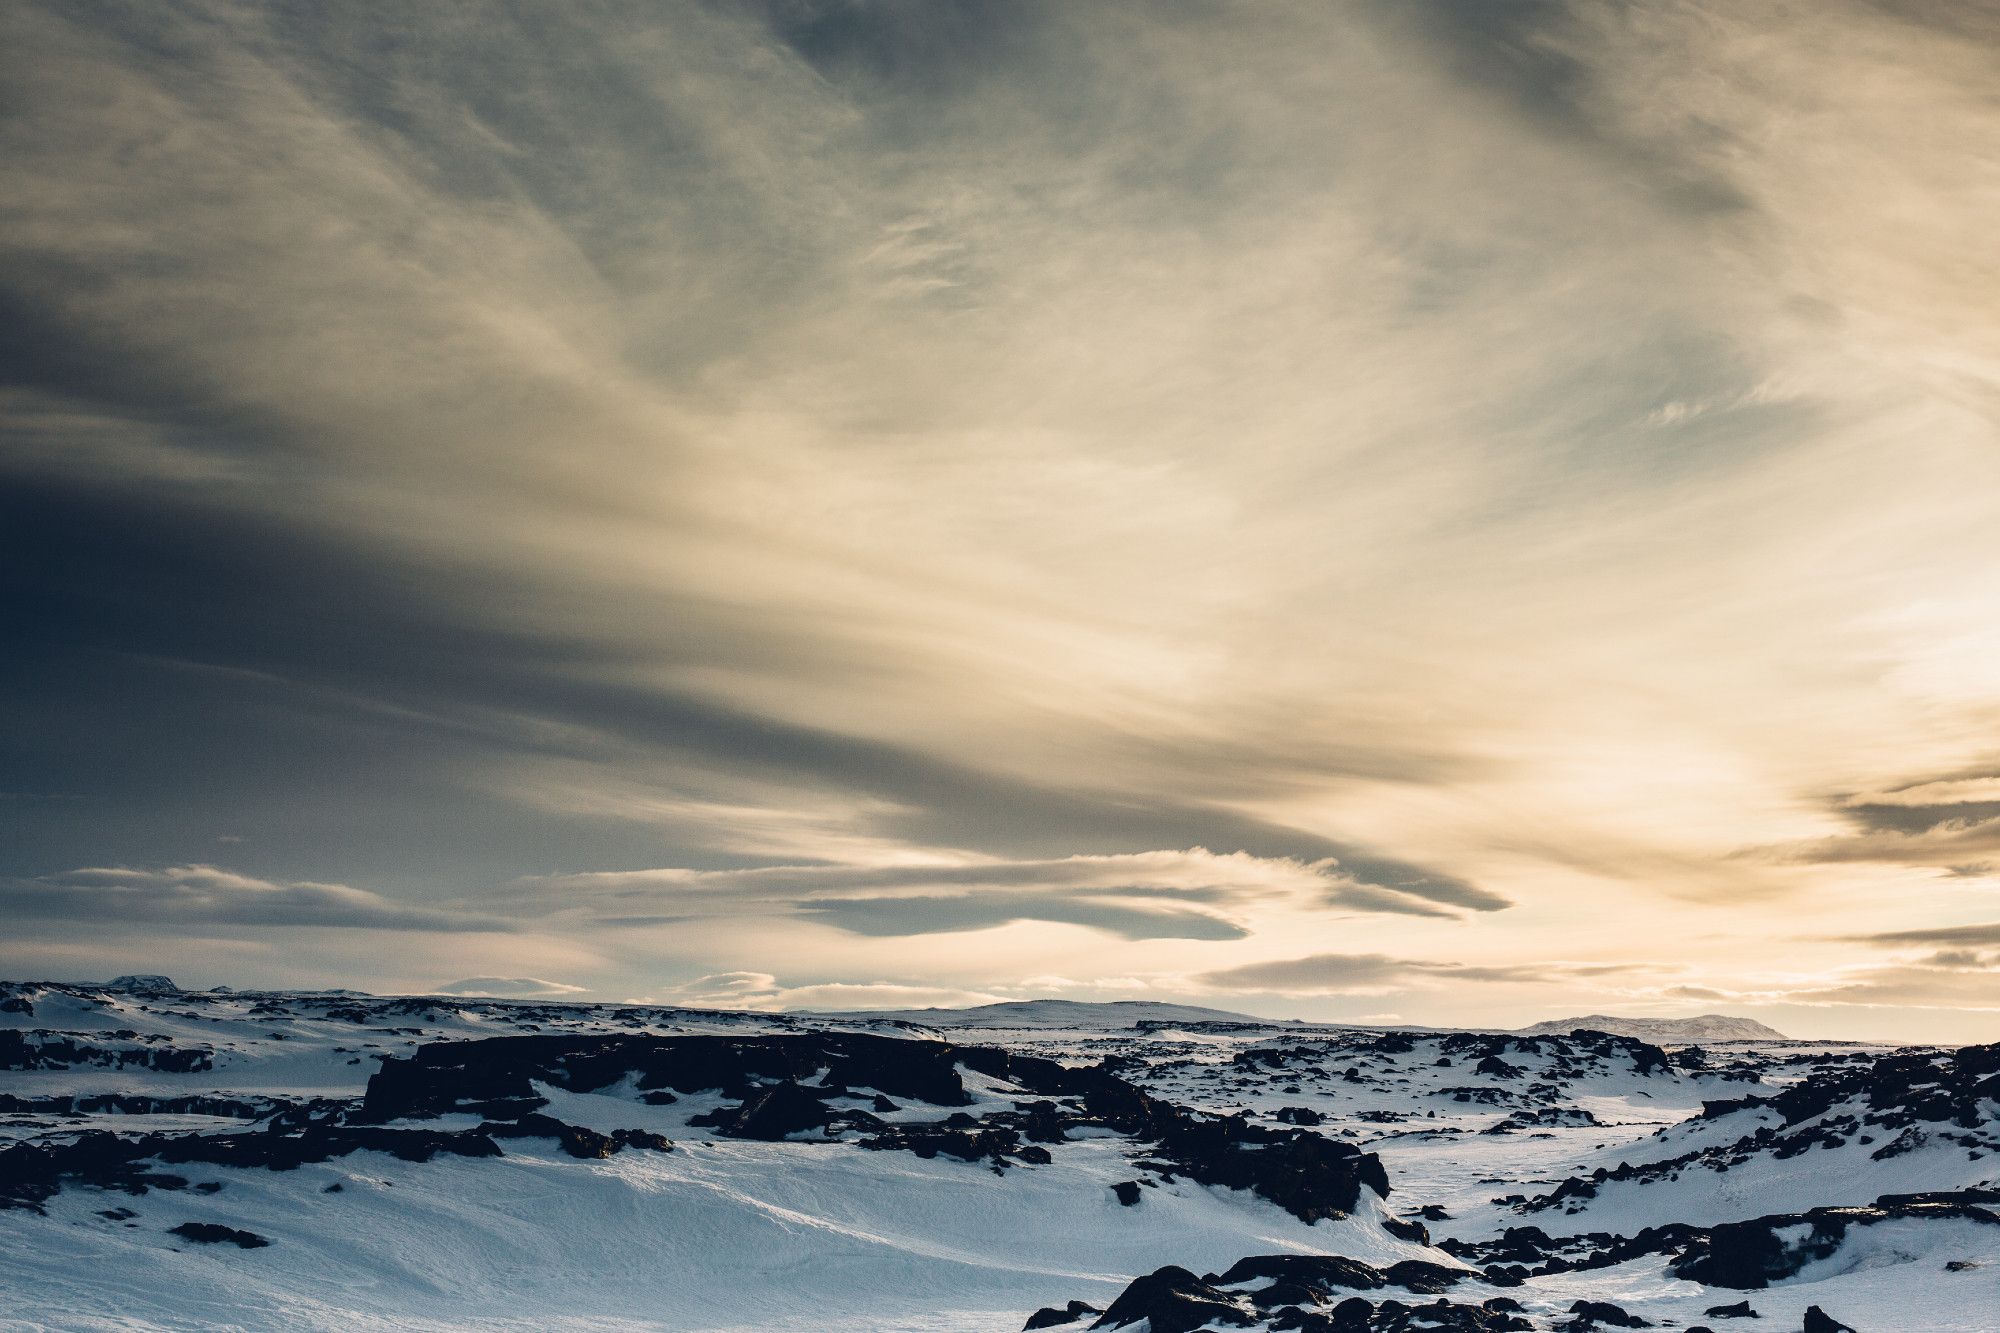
(1304, 1292)
(55, 1050)
(825, 1084)
(1892, 1105)
(211, 1233)
(31, 1172)
(1743, 1256)
(1173, 1300)
(1050, 1316)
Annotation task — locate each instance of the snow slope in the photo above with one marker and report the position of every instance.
(838, 1226)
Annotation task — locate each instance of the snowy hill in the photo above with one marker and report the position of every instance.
(1677, 1031)
(175, 1160)
(1061, 1014)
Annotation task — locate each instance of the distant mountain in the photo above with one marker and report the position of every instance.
(1708, 1027)
(1061, 1013)
(143, 983)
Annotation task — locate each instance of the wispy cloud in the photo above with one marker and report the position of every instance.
(1193, 894)
(761, 990)
(1454, 455)
(509, 987)
(200, 896)
(1376, 974)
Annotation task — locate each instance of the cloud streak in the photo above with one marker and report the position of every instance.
(1193, 894)
(201, 896)
(1375, 974)
(523, 988)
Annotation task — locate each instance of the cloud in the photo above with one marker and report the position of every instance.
(1951, 844)
(1542, 453)
(1375, 974)
(978, 911)
(1982, 789)
(201, 896)
(1946, 823)
(517, 987)
(763, 991)
(1192, 894)
(1980, 933)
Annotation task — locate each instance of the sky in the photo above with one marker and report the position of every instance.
(1460, 512)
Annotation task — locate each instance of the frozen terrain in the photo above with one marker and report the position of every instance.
(180, 1160)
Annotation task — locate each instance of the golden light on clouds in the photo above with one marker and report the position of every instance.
(921, 498)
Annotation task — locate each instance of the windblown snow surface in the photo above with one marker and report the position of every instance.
(178, 1160)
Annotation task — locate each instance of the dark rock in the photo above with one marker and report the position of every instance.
(210, 1233)
(776, 1113)
(1172, 1300)
(1285, 1293)
(1740, 1310)
(1050, 1317)
(31, 1172)
(1404, 1229)
(1418, 1275)
(1127, 1192)
(1323, 1272)
(1819, 1321)
(573, 1139)
(46, 1050)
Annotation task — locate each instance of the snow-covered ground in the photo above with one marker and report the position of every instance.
(834, 1225)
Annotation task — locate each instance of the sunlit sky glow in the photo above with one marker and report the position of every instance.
(1461, 511)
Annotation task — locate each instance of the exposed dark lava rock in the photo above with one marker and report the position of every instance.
(1819, 1321)
(1051, 1317)
(127, 1103)
(771, 1114)
(1592, 1313)
(54, 1050)
(460, 1075)
(1753, 1254)
(1903, 1100)
(1745, 1255)
(1173, 1300)
(210, 1233)
(575, 1139)
(1740, 1310)
(787, 1083)
(1322, 1272)
(1127, 1192)
(1294, 1291)
(31, 1172)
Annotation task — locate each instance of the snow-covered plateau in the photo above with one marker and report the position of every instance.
(289, 1160)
